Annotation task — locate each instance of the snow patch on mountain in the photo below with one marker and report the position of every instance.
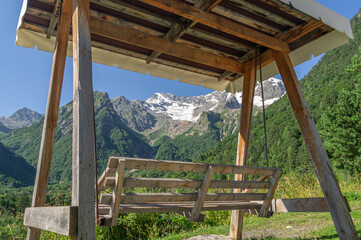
(273, 89)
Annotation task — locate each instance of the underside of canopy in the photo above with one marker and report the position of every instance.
(200, 42)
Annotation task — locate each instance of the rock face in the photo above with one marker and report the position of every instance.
(166, 113)
(21, 118)
(273, 89)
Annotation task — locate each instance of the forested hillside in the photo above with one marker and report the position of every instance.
(113, 138)
(332, 90)
(14, 170)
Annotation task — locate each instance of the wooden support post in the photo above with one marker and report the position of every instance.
(331, 190)
(51, 115)
(83, 122)
(114, 206)
(243, 141)
(196, 211)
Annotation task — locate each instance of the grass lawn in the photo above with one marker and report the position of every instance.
(281, 226)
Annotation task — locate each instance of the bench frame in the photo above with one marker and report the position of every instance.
(117, 202)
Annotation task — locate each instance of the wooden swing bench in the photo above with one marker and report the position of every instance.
(187, 204)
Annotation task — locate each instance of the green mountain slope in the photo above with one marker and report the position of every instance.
(209, 129)
(14, 171)
(113, 138)
(324, 86)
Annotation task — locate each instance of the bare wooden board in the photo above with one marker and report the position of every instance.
(185, 183)
(129, 198)
(180, 207)
(164, 165)
(62, 220)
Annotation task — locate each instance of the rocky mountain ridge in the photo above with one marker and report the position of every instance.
(21, 118)
(168, 113)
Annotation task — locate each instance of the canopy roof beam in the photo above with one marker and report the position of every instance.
(114, 31)
(177, 30)
(287, 36)
(217, 22)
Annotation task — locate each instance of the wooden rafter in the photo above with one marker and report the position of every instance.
(54, 18)
(220, 23)
(123, 34)
(287, 36)
(177, 30)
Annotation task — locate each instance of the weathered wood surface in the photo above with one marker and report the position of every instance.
(288, 36)
(300, 205)
(62, 220)
(186, 183)
(127, 35)
(180, 207)
(126, 198)
(163, 165)
(178, 30)
(267, 202)
(220, 23)
(117, 191)
(83, 122)
(333, 195)
(51, 115)
(54, 18)
(202, 194)
(249, 84)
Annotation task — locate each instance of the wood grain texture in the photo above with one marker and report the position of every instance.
(127, 198)
(127, 35)
(182, 9)
(83, 122)
(249, 84)
(165, 165)
(180, 207)
(331, 190)
(51, 115)
(117, 191)
(264, 212)
(196, 211)
(178, 30)
(185, 183)
(62, 220)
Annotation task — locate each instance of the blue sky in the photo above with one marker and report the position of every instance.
(24, 73)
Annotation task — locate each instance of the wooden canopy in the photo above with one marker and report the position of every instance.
(201, 42)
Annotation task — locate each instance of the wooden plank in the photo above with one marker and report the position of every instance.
(163, 165)
(83, 122)
(185, 10)
(127, 198)
(288, 36)
(333, 195)
(54, 18)
(288, 9)
(117, 192)
(264, 212)
(196, 211)
(51, 115)
(262, 178)
(180, 207)
(185, 183)
(120, 33)
(246, 20)
(262, 12)
(62, 220)
(177, 30)
(300, 205)
(249, 84)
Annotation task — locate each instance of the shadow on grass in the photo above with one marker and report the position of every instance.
(334, 236)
